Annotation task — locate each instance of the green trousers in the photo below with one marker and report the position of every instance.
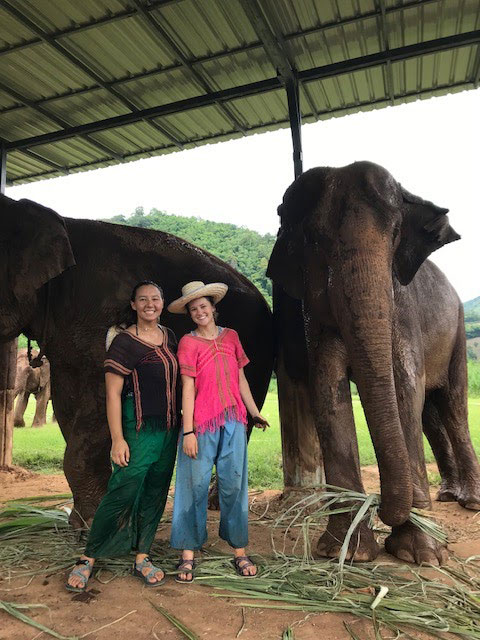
(128, 515)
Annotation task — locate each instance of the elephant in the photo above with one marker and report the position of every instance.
(34, 381)
(363, 304)
(65, 281)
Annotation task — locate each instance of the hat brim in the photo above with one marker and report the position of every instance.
(216, 290)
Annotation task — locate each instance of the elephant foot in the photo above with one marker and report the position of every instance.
(37, 423)
(448, 492)
(469, 498)
(78, 523)
(18, 423)
(408, 543)
(362, 548)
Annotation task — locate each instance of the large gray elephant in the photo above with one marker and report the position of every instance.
(63, 282)
(31, 381)
(352, 247)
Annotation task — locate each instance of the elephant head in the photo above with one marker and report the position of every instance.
(35, 248)
(347, 238)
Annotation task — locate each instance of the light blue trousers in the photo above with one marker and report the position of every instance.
(227, 449)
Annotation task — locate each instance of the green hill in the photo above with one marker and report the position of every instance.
(472, 323)
(245, 250)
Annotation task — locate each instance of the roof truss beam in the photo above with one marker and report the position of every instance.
(309, 75)
(3, 167)
(388, 66)
(133, 155)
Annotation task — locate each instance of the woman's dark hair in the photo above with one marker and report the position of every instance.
(142, 284)
(129, 315)
(212, 302)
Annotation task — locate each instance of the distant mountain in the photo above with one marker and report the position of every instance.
(472, 325)
(244, 249)
(472, 306)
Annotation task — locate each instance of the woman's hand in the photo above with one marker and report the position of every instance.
(260, 422)
(190, 445)
(120, 453)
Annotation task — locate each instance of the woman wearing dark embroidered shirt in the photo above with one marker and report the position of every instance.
(143, 407)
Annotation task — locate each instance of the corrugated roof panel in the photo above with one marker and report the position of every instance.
(70, 152)
(210, 26)
(81, 109)
(134, 137)
(232, 70)
(120, 48)
(158, 89)
(23, 164)
(30, 124)
(263, 109)
(55, 15)
(6, 101)
(199, 123)
(40, 71)
(12, 32)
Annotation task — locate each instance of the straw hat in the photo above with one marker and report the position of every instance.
(193, 290)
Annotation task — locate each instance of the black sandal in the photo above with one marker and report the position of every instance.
(147, 563)
(80, 574)
(240, 568)
(185, 566)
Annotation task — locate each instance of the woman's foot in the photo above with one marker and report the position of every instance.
(243, 564)
(78, 577)
(186, 564)
(144, 569)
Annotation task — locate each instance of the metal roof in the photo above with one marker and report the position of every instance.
(93, 83)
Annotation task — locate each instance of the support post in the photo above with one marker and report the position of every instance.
(3, 167)
(8, 363)
(302, 456)
(295, 116)
(8, 369)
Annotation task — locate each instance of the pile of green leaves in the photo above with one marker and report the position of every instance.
(36, 540)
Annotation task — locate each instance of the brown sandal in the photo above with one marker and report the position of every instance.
(240, 568)
(185, 565)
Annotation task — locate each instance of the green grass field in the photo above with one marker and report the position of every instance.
(41, 449)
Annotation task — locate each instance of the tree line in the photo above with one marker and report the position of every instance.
(244, 249)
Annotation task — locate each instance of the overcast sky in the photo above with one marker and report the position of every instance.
(430, 146)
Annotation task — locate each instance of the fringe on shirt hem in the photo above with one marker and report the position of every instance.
(226, 415)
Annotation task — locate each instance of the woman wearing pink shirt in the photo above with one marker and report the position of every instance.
(215, 400)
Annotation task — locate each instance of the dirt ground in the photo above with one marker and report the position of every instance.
(207, 616)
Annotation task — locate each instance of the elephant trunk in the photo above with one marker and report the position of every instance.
(363, 305)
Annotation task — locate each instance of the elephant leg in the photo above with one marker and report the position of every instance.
(452, 407)
(20, 407)
(80, 410)
(407, 542)
(330, 393)
(437, 436)
(40, 417)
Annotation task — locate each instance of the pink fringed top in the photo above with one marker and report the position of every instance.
(215, 366)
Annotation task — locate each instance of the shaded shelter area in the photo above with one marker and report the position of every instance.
(92, 84)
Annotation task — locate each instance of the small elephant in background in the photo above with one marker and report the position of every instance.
(34, 381)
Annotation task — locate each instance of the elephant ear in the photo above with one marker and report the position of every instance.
(425, 228)
(39, 249)
(285, 264)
